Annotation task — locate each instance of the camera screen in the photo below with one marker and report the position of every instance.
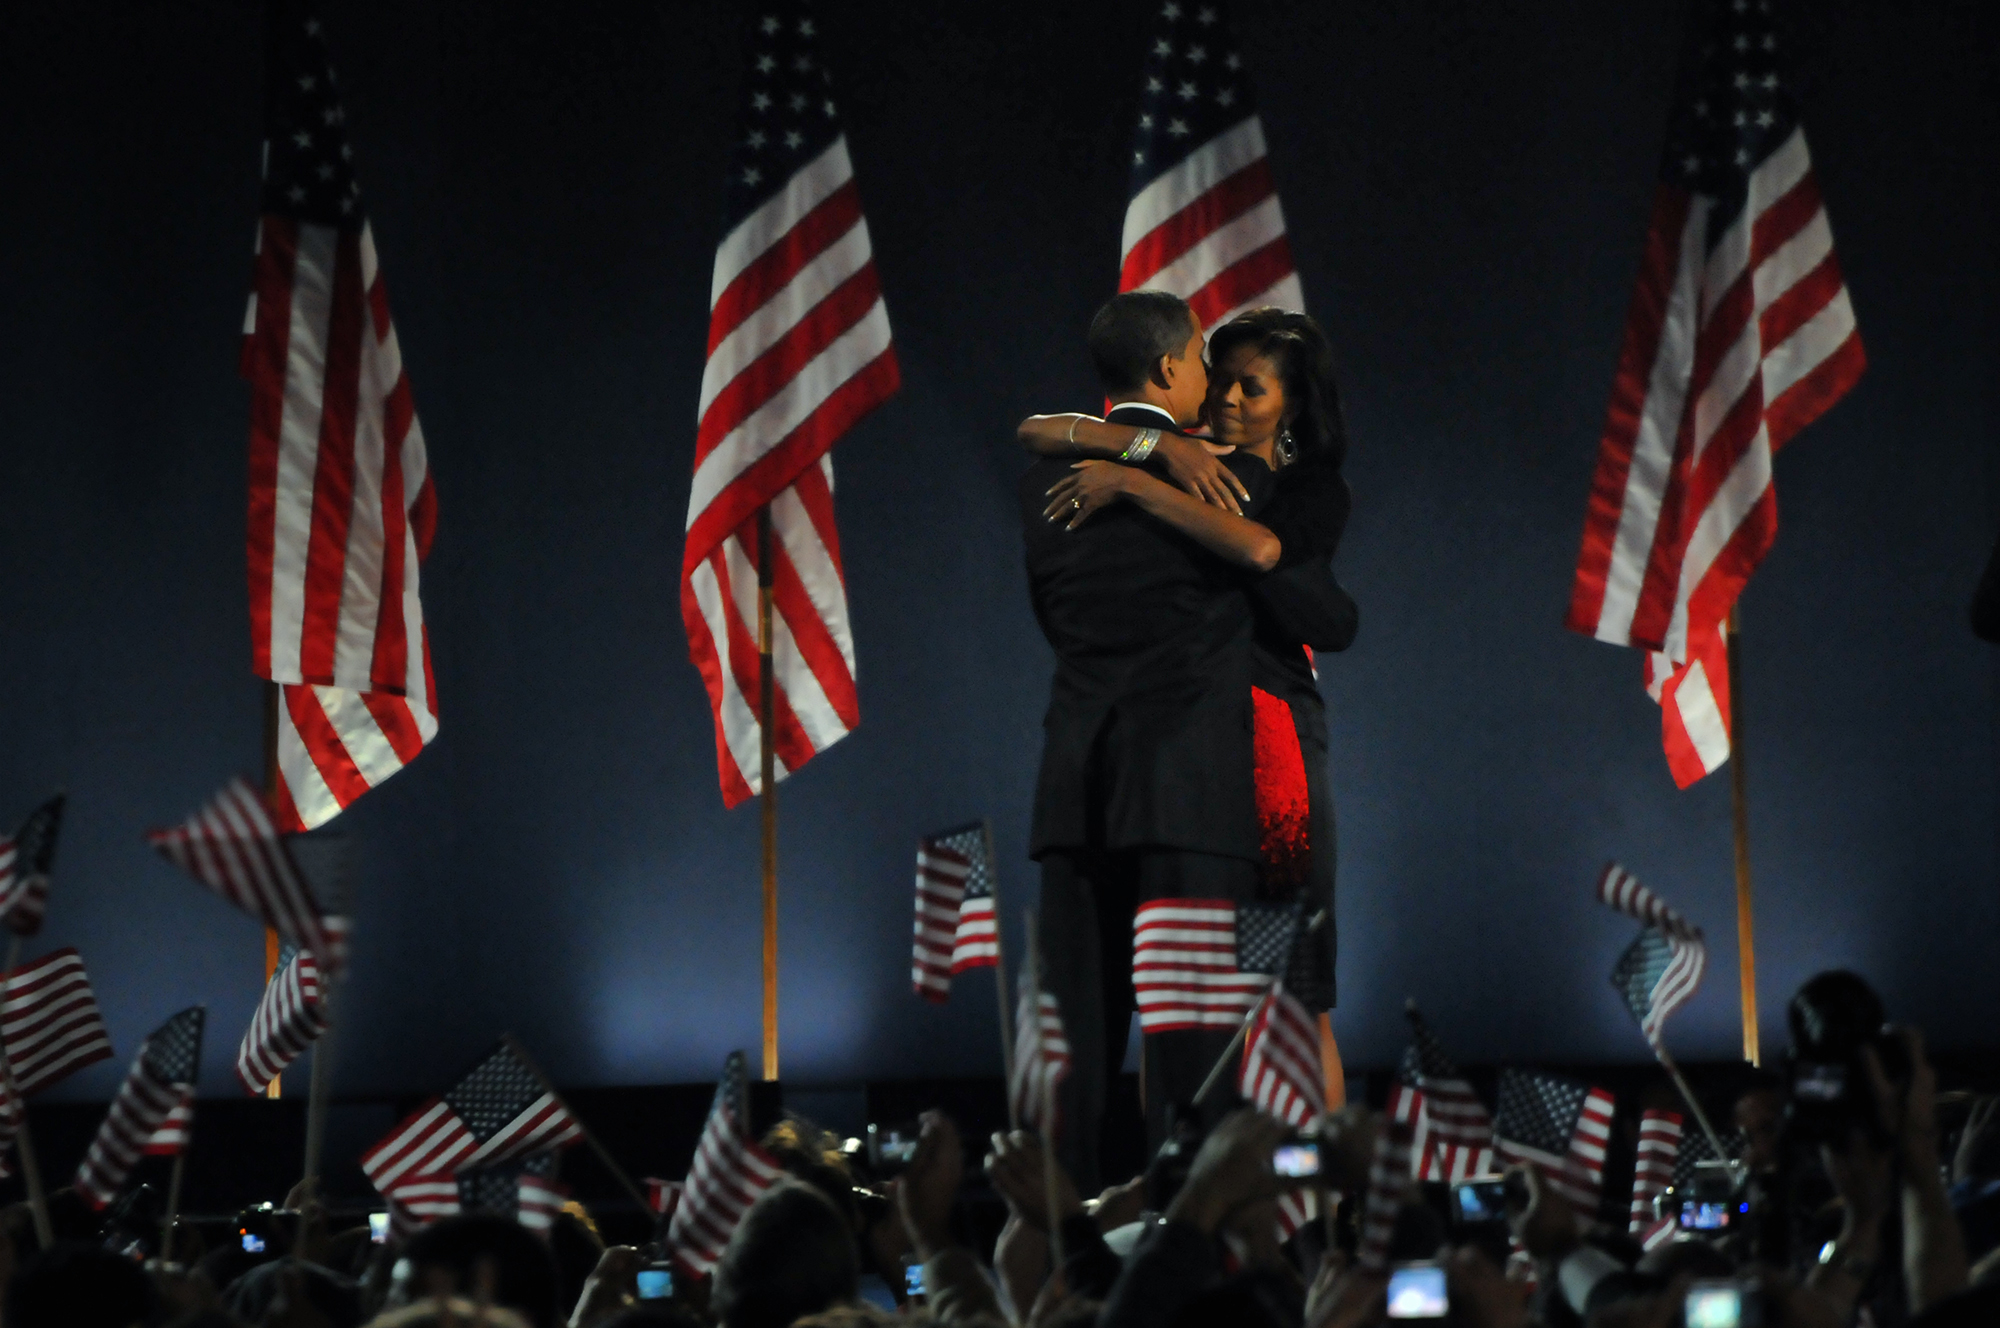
(378, 1227)
(1714, 1307)
(894, 1145)
(1819, 1083)
(913, 1279)
(252, 1243)
(655, 1283)
(1295, 1160)
(1417, 1292)
(1700, 1216)
(1481, 1201)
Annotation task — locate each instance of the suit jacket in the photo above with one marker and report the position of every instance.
(1147, 737)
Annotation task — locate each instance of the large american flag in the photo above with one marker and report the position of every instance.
(1206, 963)
(288, 1020)
(1660, 970)
(232, 847)
(1203, 220)
(1653, 1166)
(26, 858)
(501, 1109)
(729, 1171)
(956, 927)
(341, 504)
(1740, 334)
(1558, 1126)
(1451, 1134)
(798, 351)
(162, 1076)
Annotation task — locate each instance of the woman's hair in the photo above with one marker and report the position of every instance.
(1304, 357)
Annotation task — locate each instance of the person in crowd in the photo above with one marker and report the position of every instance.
(792, 1255)
(1272, 396)
(493, 1259)
(1147, 782)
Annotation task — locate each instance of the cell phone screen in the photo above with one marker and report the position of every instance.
(1819, 1083)
(1699, 1216)
(656, 1283)
(252, 1243)
(1714, 1305)
(1295, 1160)
(913, 1279)
(1417, 1292)
(378, 1227)
(1480, 1201)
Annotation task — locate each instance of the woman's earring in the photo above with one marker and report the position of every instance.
(1288, 451)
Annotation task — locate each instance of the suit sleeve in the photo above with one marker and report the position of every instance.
(1307, 605)
(1308, 513)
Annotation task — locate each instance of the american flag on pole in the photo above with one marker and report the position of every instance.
(1206, 963)
(1203, 220)
(1451, 1134)
(232, 847)
(175, 1129)
(1281, 1073)
(1653, 1166)
(1388, 1180)
(955, 926)
(501, 1110)
(288, 1020)
(1041, 1055)
(25, 861)
(342, 509)
(1656, 975)
(798, 351)
(525, 1189)
(729, 1171)
(162, 1075)
(49, 1021)
(1740, 334)
(1558, 1126)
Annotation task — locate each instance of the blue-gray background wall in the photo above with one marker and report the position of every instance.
(1466, 187)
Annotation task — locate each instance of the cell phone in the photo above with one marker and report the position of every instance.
(1296, 1159)
(1704, 1215)
(1417, 1291)
(656, 1282)
(252, 1242)
(1819, 1083)
(1478, 1201)
(378, 1227)
(890, 1147)
(1724, 1305)
(913, 1279)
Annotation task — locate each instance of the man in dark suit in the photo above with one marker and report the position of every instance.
(1146, 787)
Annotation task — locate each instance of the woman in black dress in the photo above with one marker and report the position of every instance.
(1273, 396)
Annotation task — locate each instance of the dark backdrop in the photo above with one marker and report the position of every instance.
(1466, 187)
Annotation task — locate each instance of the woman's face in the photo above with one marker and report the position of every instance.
(1246, 399)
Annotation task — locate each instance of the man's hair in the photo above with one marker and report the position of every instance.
(792, 1255)
(1132, 331)
(524, 1271)
(73, 1285)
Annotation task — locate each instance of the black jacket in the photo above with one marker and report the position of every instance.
(1147, 737)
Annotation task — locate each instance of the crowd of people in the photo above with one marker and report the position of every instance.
(1894, 1219)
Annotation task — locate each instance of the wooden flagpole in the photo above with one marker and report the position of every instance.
(1000, 976)
(275, 1088)
(24, 1142)
(318, 1086)
(1746, 943)
(767, 772)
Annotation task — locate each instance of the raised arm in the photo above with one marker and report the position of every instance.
(1091, 485)
(1190, 463)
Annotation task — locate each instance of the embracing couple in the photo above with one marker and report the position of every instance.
(1184, 584)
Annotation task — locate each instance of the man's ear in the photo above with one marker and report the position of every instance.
(1160, 376)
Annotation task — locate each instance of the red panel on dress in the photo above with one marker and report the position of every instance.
(1283, 805)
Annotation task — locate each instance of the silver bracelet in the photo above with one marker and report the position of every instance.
(1142, 447)
(1072, 429)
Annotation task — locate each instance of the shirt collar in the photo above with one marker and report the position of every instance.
(1161, 411)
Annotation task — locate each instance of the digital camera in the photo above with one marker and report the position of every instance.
(1833, 1018)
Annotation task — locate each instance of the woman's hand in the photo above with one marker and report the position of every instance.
(1089, 486)
(1191, 463)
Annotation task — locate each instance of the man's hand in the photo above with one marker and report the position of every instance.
(926, 1191)
(1119, 1204)
(1016, 1170)
(1090, 485)
(1344, 1296)
(1191, 463)
(1233, 1168)
(1546, 1227)
(612, 1285)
